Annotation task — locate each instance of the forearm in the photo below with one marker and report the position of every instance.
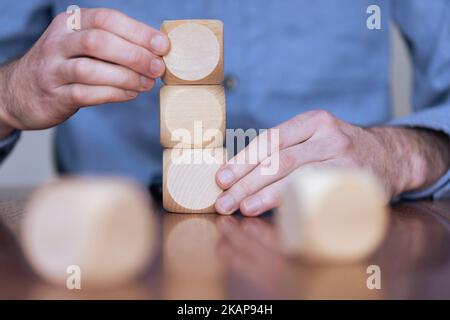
(417, 157)
(5, 100)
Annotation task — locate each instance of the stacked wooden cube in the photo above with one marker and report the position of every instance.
(192, 111)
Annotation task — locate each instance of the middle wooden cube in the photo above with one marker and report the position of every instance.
(192, 116)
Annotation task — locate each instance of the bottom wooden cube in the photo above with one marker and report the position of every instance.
(189, 184)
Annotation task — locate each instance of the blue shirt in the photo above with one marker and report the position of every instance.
(287, 57)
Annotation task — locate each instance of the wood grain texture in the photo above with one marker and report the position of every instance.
(335, 215)
(189, 184)
(192, 116)
(82, 222)
(196, 54)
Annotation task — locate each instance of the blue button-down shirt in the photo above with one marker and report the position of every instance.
(287, 57)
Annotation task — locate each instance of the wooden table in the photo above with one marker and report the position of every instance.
(212, 257)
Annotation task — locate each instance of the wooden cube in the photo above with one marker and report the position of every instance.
(192, 116)
(189, 179)
(81, 222)
(196, 52)
(332, 215)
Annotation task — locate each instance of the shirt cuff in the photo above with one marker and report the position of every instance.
(439, 190)
(435, 120)
(8, 143)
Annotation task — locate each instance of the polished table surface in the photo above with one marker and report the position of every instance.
(212, 257)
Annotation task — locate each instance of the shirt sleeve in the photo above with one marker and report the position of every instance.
(426, 28)
(21, 24)
(7, 144)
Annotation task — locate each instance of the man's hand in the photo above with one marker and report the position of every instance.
(111, 59)
(403, 159)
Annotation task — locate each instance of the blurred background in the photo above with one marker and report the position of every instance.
(32, 163)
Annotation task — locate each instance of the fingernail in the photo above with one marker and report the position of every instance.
(159, 43)
(146, 82)
(156, 67)
(131, 94)
(252, 205)
(225, 204)
(225, 177)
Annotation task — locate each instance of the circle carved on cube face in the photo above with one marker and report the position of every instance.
(195, 52)
(193, 185)
(192, 106)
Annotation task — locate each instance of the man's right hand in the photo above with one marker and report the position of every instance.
(111, 59)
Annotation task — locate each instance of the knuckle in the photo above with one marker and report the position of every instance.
(79, 69)
(342, 142)
(312, 113)
(90, 41)
(77, 94)
(275, 143)
(244, 188)
(104, 17)
(282, 144)
(60, 18)
(325, 118)
(141, 32)
(129, 80)
(287, 161)
(136, 57)
(298, 122)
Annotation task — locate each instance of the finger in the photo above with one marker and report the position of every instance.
(277, 166)
(264, 200)
(81, 95)
(100, 73)
(294, 131)
(106, 46)
(127, 28)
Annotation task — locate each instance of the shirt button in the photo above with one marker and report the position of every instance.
(230, 82)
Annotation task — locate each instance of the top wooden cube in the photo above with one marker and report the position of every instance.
(196, 52)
